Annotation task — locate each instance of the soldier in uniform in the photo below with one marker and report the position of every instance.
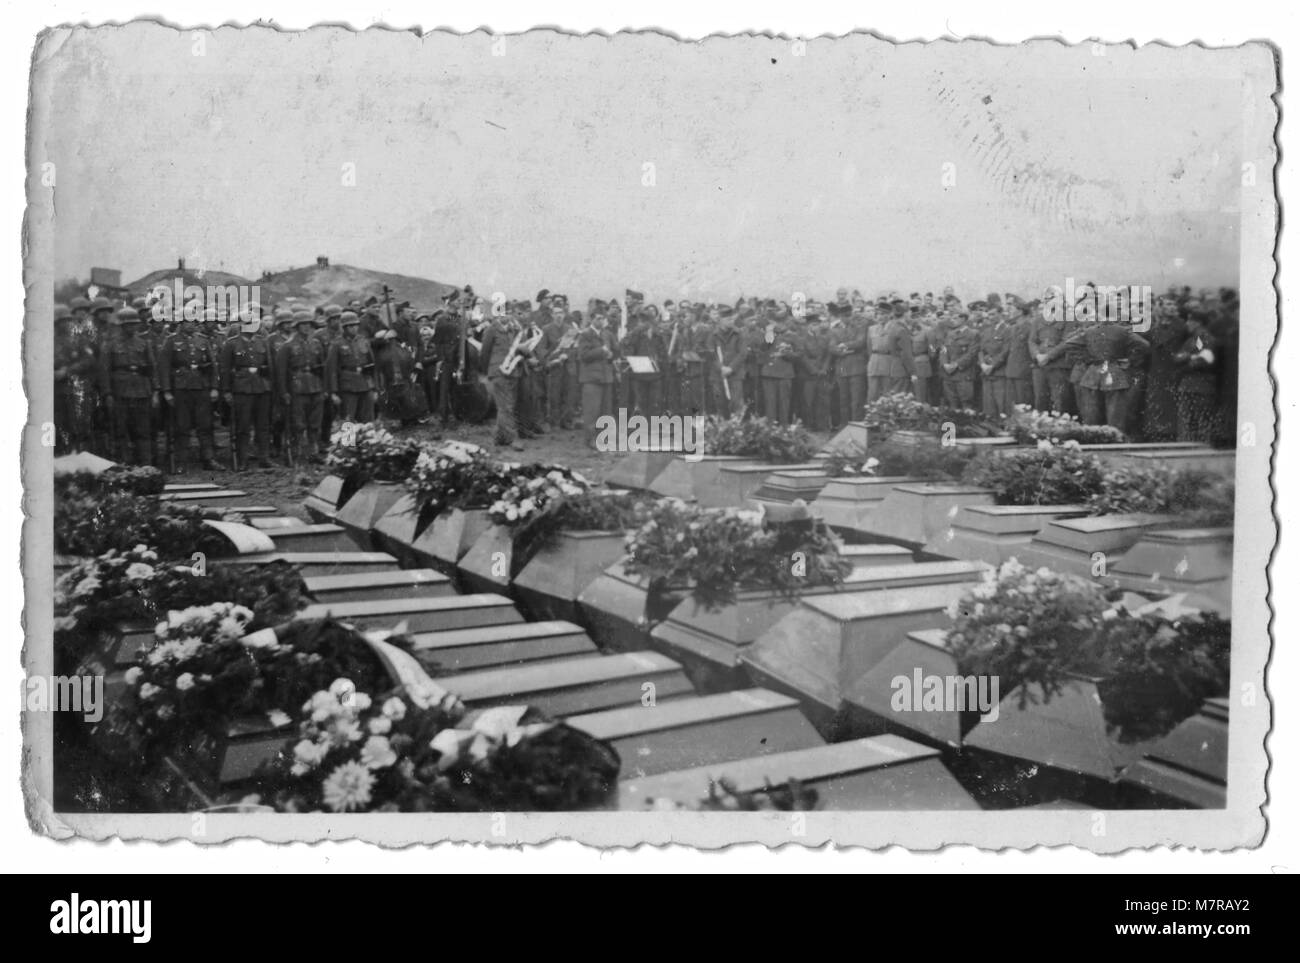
(957, 359)
(898, 347)
(74, 370)
(995, 345)
(530, 404)
(597, 349)
(923, 344)
(246, 373)
(645, 339)
(848, 355)
(1108, 350)
(350, 373)
(129, 387)
(815, 371)
(300, 381)
(878, 357)
(1020, 363)
(187, 374)
(1051, 379)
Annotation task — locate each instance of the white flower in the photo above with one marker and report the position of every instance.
(132, 675)
(185, 681)
(309, 754)
(149, 690)
(1044, 444)
(377, 753)
(138, 572)
(229, 629)
(527, 506)
(345, 731)
(342, 689)
(512, 513)
(348, 788)
(1109, 614)
(380, 725)
(278, 718)
(165, 712)
(395, 709)
(87, 586)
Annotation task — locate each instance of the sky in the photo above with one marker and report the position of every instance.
(748, 165)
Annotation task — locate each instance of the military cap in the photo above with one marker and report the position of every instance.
(140, 303)
(100, 304)
(80, 304)
(350, 317)
(302, 317)
(333, 310)
(128, 316)
(62, 312)
(251, 326)
(542, 295)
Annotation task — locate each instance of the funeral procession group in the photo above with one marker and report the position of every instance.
(899, 482)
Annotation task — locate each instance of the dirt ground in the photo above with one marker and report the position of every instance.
(286, 488)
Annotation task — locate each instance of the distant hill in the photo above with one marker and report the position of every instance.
(166, 278)
(341, 283)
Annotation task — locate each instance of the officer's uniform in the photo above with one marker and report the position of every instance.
(1103, 387)
(560, 342)
(187, 368)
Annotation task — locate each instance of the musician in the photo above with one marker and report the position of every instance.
(645, 339)
(730, 351)
(405, 401)
(530, 408)
(776, 377)
(500, 343)
(441, 359)
(559, 343)
(597, 349)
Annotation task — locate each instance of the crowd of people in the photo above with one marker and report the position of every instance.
(140, 386)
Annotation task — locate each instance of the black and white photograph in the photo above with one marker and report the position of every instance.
(633, 438)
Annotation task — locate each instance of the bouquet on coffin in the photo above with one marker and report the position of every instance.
(904, 412)
(926, 462)
(90, 521)
(362, 453)
(539, 508)
(410, 747)
(1037, 629)
(721, 551)
(415, 750)
(456, 475)
(1028, 425)
(769, 441)
(135, 480)
(96, 596)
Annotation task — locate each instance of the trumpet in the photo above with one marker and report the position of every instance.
(519, 348)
